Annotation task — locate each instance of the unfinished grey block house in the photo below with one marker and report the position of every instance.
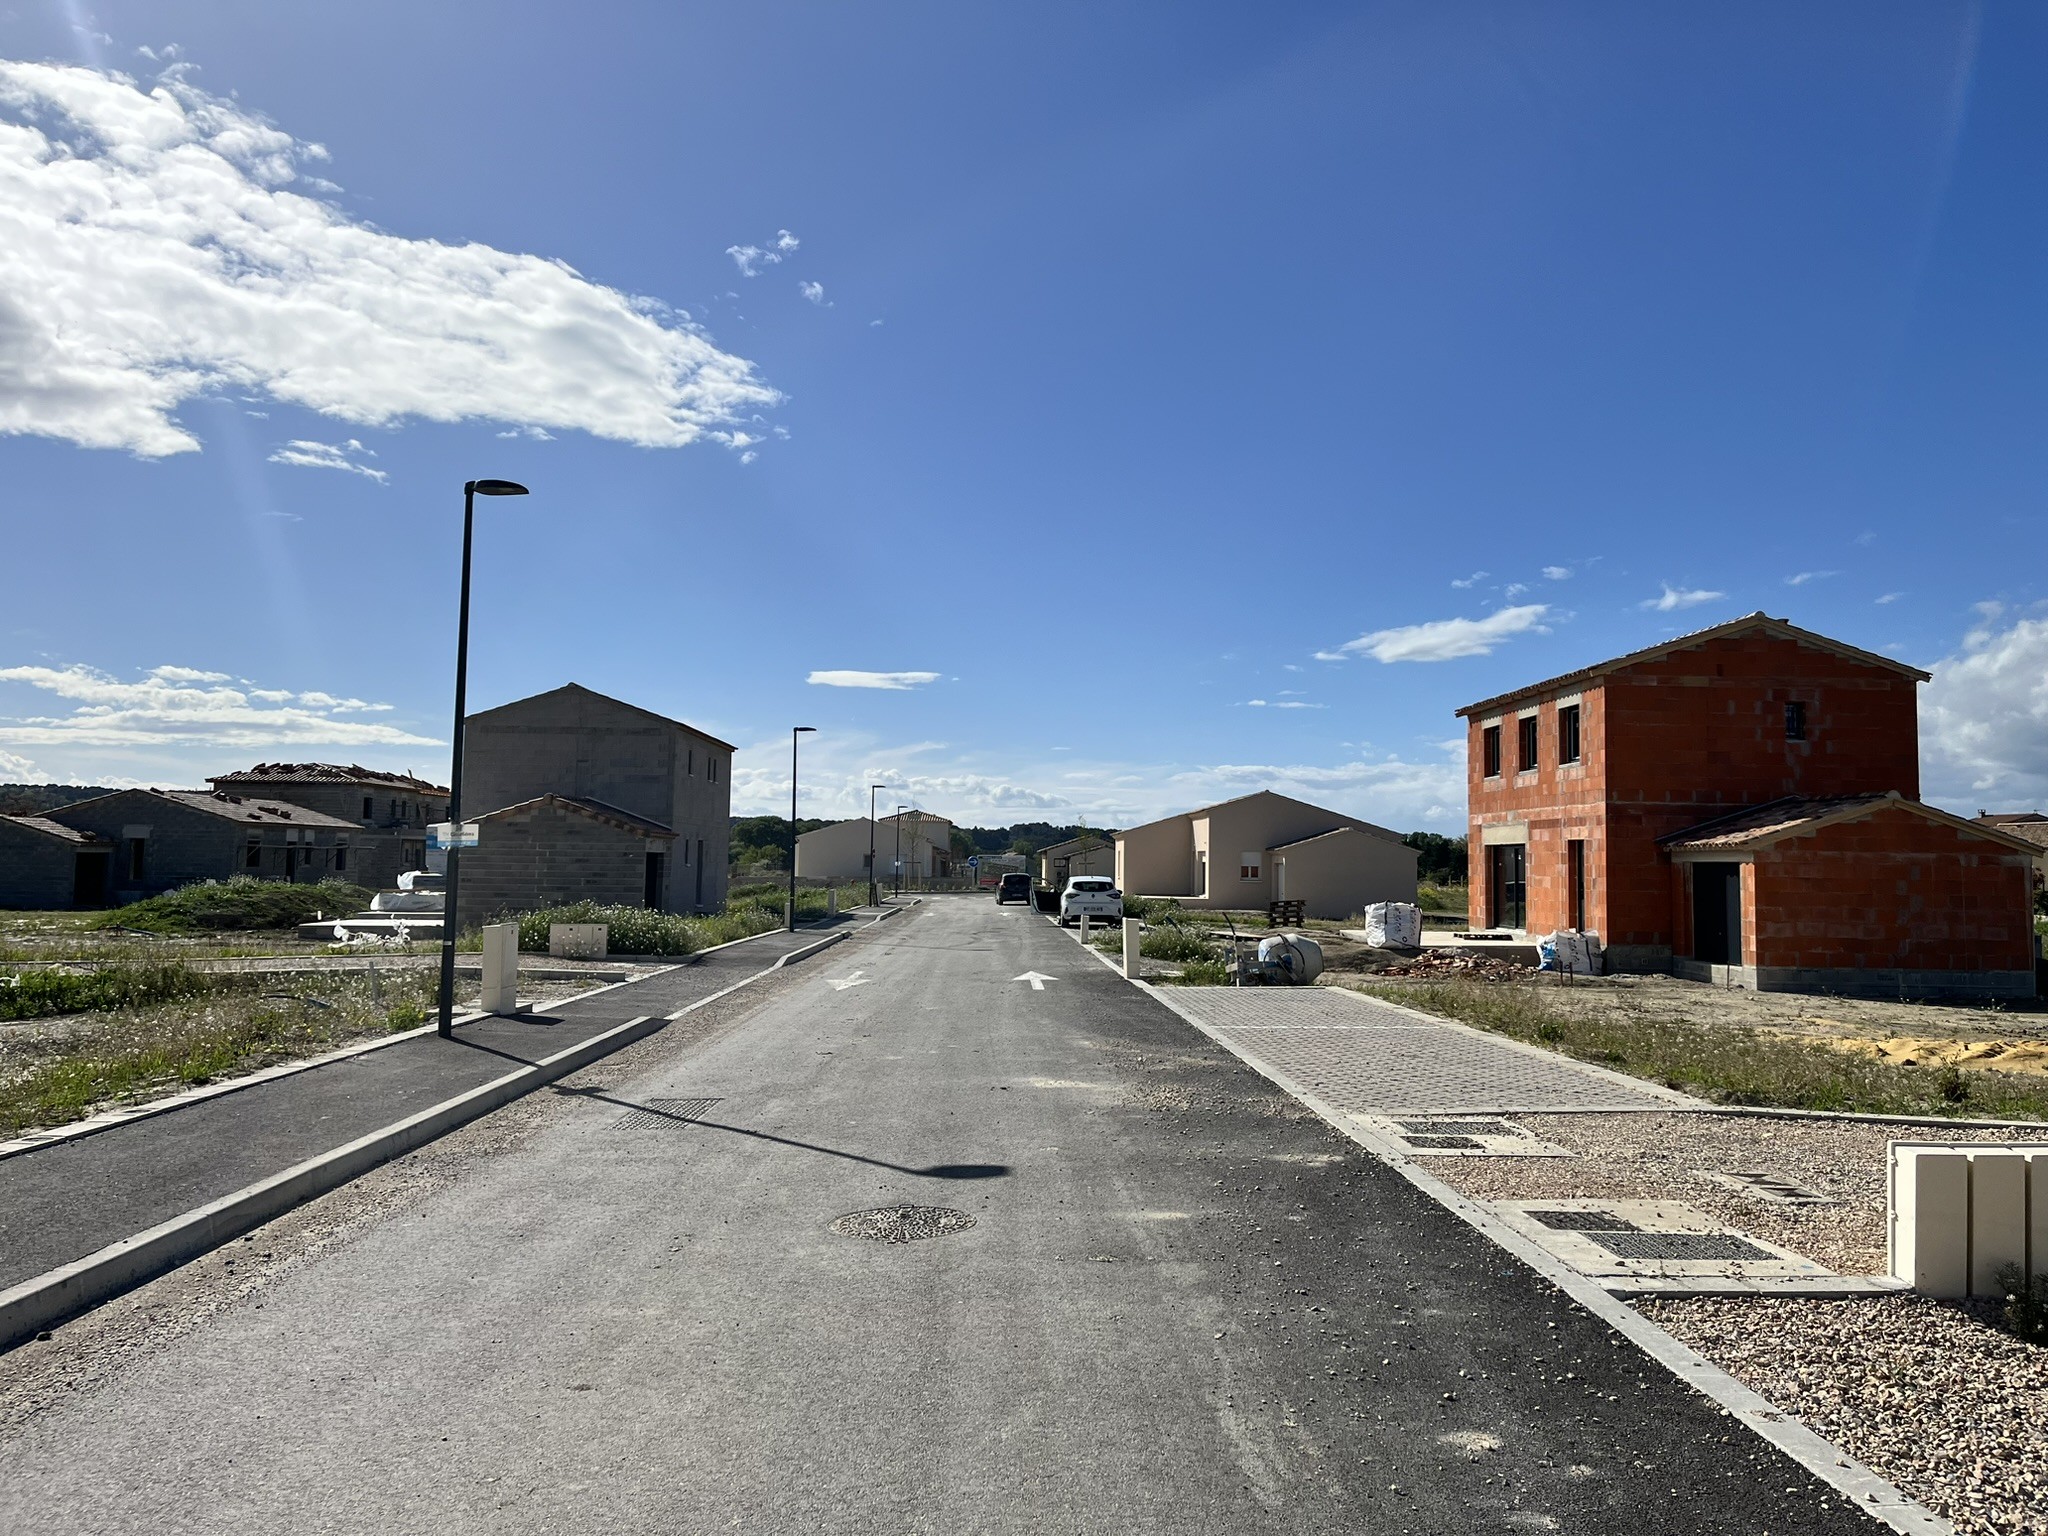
(584, 771)
(45, 865)
(393, 810)
(161, 839)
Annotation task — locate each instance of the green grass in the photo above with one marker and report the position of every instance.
(1727, 1063)
(639, 931)
(1200, 973)
(237, 1024)
(218, 906)
(42, 993)
(1432, 896)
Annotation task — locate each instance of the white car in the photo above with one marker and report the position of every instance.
(1093, 897)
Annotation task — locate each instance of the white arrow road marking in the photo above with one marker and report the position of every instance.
(841, 983)
(1038, 979)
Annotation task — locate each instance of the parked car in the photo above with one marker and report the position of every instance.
(1014, 887)
(1092, 896)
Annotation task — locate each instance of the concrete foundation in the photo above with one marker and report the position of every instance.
(1885, 983)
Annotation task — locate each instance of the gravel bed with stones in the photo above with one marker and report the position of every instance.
(1663, 1157)
(1929, 1394)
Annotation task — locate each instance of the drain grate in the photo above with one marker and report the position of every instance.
(656, 1114)
(1446, 1143)
(1769, 1186)
(903, 1223)
(1463, 1128)
(1583, 1221)
(1678, 1247)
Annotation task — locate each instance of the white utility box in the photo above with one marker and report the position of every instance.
(501, 968)
(579, 941)
(1959, 1212)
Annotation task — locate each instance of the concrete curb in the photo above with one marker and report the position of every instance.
(42, 1302)
(109, 1119)
(45, 1300)
(1855, 1482)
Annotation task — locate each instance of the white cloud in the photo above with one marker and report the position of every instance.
(1514, 589)
(1801, 578)
(1891, 597)
(311, 455)
(172, 706)
(750, 259)
(1470, 581)
(891, 680)
(153, 249)
(1444, 639)
(531, 434)
(19, 770)
(815, 292)
(749, 456)
(1984, 720)
(1674, 598)
(1282, 704)
(1557, 573)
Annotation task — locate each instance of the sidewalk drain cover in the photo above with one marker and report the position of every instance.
(1583, 1221)
(1463, 1128)
(1446, 1143)
(656, 1114)
(903, 1223)
(1679, 1247)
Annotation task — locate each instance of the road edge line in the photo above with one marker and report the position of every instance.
(41, 1303)
(1858, 1484)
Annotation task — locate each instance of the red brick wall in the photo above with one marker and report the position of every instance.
(1667, 744)
(1889, 890)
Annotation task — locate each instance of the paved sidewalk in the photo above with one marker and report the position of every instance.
(1366, 1058)
(63, 1201)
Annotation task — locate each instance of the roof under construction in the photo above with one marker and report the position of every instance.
(326, 773)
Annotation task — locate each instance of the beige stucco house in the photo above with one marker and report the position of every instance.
(1264, 847)
(840, 851)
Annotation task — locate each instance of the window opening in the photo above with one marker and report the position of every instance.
(1525, 732)
(1248, 866)
(1795, 720)
(1568, 733)
(1575, 880)
(1489, 751)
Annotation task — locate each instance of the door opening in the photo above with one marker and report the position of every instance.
(652, 896)
(1507, 885)
(89, 881)
(1717, 913)
(1575, 881)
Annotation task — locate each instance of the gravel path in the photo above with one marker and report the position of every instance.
(1660, 1157)
(1929, 1394)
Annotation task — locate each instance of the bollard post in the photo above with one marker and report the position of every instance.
(831, 901)
(1084, 927)
(1131, 928)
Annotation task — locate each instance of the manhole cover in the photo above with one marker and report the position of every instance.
(1446, 1143)
(1677, 1247)
(1463, 1128)
(656, 1113)
(902, 1223)
(1583, 1221)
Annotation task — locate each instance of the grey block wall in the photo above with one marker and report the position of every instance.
(186, 845)
(545, 857)
(582, 745)
(36, 869)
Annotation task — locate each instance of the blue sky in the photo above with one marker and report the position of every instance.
(1164, 400)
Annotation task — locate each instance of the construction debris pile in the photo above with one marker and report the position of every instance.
(1432, 963)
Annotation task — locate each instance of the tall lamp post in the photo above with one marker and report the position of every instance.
(873, 900)
(899, 848)
(471, 489)
(794, 732)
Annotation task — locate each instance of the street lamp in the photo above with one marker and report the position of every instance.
(872, 896)
(471, 489)
(899, 848)
(794, 732)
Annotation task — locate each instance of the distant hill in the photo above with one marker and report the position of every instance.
(34, 799)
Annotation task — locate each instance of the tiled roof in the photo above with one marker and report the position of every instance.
(250, 808)
(1751, 621)
(597, 810)
(1317, 838)
(1758, 826)
(325, 773)
(54, 829)
(2033, 829)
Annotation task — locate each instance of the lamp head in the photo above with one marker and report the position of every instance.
(496, 488)
(800, 729)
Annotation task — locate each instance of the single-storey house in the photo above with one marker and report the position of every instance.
(577, 745)
(1265, 847)
(164, 838)
(553, 850)
(920, 841)
(1089, 854)
(46, 866)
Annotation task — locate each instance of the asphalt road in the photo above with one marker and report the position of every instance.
(1184, 1305)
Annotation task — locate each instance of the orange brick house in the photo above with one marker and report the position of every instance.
(1742, 804)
